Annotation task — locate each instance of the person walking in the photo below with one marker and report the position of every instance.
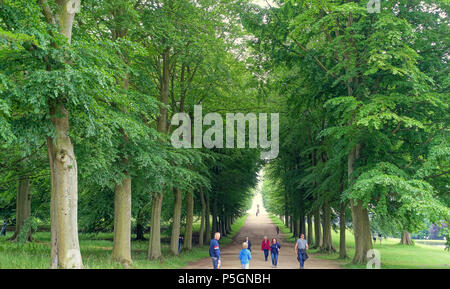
(249, 244)
(300, 250)
(245, 256)
(180, 242)
(380, 237)
(278, 230)
(275, 250)
(265, 246)
(3, 232)
(214, 251)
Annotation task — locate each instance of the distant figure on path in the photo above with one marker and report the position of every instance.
(374, 239)
(380, 237)
(265, 246)
(214, 251)
(300, 250)
(278, 230)
(180, 242)
(275, 250)
(249, 244)
(245, 255)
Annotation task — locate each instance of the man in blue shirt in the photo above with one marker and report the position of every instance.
(214, 251)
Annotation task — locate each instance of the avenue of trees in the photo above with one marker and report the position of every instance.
(364, 138)
(87, 93)
(88, 89)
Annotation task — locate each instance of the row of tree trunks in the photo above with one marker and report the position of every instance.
(23, 207)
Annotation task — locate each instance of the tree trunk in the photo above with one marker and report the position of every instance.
(65, 251)
(189, 220)
(360, 216)
(406, 238)
(176, 225)
(295, 227)
(203, 219)
(63, 168)
(342, 248)
(207, 220)
(122, 223)
(154, 250)
(302, 226)
(317, 229)
(310, 230)
(215, 226)
(327, 244)
(230, 222)
(23, 207)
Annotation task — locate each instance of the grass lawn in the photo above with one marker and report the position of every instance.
(96, 252)
(393, 255)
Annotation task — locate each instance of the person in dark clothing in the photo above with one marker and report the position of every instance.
(214, 251)
(275, 250)
(3, 232)
(278, 230)
(249, 244)
(180, 242)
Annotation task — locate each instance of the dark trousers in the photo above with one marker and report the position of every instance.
(300, 259)
(266, 253)
(274, 259)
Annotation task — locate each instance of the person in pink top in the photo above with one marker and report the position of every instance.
(265, 246)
